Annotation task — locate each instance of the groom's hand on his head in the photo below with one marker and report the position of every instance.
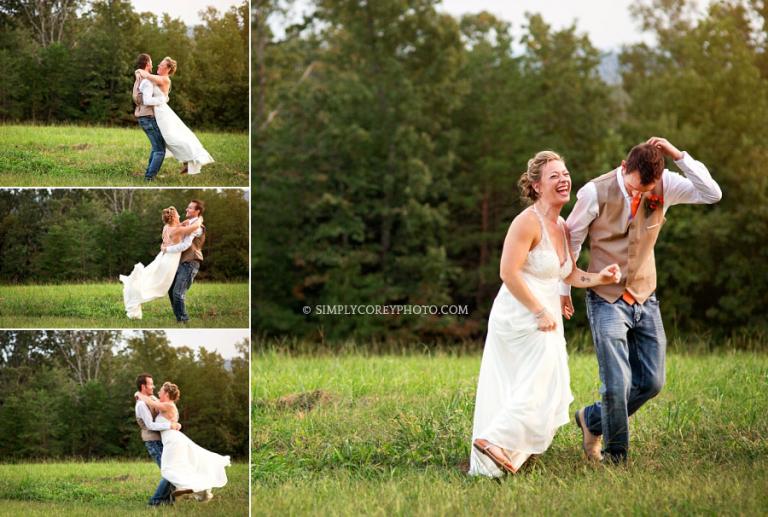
(666, 148)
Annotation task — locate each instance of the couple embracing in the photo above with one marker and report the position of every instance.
(186, 468)
(173, 269)
(524, 393)
(165, 130)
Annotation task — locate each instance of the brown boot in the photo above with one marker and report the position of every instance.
(591, 443)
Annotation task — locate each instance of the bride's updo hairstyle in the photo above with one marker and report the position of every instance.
(533, 174)
(168, 214)
(171, 390)
(171, 64)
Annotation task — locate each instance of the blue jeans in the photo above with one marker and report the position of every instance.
(164, 488)
(631, 346)
(181, 284)
(157, 154)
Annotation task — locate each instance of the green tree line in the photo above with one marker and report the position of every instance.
(60, 235)
(389, 137)
(73, 61)
(70, 393)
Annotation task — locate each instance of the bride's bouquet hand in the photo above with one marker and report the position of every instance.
(610, 274)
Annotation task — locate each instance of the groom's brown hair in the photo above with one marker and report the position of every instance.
(141, 380)
(648, 161)
(200, 206)
(142, 60)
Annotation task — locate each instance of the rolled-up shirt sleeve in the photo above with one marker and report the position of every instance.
(694, 186)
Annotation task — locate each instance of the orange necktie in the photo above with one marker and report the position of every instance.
(626, 296)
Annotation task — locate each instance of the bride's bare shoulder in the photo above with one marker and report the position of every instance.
(525, 222)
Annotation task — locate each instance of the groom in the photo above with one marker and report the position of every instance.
(150, 435)
(146, 116)
(189, 264)
(622, 212)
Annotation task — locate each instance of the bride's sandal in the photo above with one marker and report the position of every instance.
(484, 446)
(185, 170)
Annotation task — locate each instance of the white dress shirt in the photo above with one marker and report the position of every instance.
(186, 242)
(147, 88)
(696, 187)
(143, 412)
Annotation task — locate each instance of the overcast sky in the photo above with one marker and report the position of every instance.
(219, 340)
(187, 10)
(607, 22)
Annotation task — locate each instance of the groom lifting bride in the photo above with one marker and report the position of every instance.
(165, 130)
(173, 269)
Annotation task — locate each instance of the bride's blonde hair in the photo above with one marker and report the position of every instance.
(172, 390)
(168, 214)
(171, 64)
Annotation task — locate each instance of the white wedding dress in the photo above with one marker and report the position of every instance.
(187, 465)
(523, 392)
(145, 284)
(180, 141)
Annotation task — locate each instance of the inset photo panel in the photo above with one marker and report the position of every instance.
(123, 258)
(124, 93)
(96, 422)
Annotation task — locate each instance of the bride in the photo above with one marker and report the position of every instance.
(523, 392)
(179, 139)
(186, 465)
(153, 281)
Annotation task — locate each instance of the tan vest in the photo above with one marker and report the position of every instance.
(629, 243)
(141, 109)
(146, 434)
(195, 251)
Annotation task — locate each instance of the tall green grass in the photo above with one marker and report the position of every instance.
(100, 305)
(80, 156)
(106, 488)
(349, 434)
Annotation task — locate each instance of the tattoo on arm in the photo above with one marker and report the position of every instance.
(584, 278)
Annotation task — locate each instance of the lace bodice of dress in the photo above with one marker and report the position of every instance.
(161, 418)
(543, 261)
(158, 92)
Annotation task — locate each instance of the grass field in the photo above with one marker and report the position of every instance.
(106, 488)
(390, 435)
(77, 156)
(210, 305)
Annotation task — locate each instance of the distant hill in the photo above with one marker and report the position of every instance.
(609, 69)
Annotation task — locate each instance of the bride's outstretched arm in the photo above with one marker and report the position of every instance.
(578, 278)
(519, 240)
(188, 232)
(185, 243)
(160, 80)
(155, 404)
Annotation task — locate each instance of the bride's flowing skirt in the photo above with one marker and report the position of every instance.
(188, 466)
(147, 283)
(523, 391)
(180, 141)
